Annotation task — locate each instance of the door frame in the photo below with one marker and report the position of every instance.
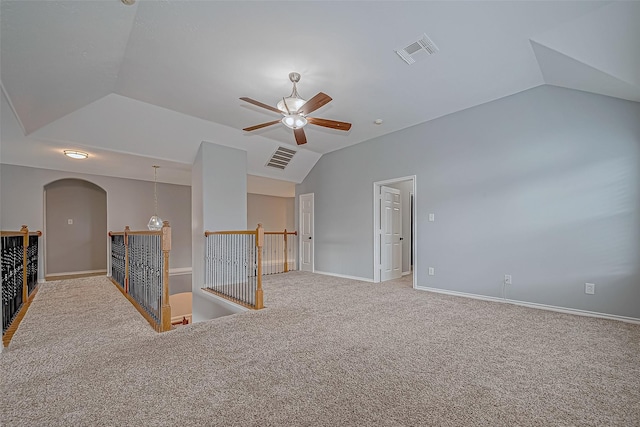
(313, 242)
(376, 229)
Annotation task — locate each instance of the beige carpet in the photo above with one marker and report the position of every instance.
(327, 352)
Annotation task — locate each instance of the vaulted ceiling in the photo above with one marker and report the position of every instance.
(146, 84)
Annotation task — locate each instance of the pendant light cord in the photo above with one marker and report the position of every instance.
(155, 189)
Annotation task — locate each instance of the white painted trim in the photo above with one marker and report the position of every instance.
(376, 231)
(232, 305)
(179, 271)
(406, 273)
(71, 273)
(344, 276)
(15, 113)
(565, 310)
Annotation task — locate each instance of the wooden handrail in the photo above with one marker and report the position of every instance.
(145, 233)
(209, 233)
(20, 233)
(285, 232)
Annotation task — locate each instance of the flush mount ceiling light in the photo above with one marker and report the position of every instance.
(76, 154)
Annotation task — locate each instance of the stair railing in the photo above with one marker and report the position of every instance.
(140, 270)
(233, 266)
(279, 252)
(19, 277)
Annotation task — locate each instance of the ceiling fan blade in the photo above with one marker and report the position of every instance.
(260, 126)
(333, 124)
(314, 103)
(301, 138)
(260, 104)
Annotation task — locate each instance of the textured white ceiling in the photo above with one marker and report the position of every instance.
(158, 78)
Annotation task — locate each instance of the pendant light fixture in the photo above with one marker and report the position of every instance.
(155, 223)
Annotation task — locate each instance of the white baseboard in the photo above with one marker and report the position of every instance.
(236, 308)
(344, 276)
(179, 271)
(406, 273)
(565, 310)
(72, 273)
(279, 263)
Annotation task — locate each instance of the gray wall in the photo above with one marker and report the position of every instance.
(274, 213)
(82, 245)
(219, 202)
(129, 202)
(542, 185)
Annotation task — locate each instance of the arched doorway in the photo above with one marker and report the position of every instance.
(76, 228)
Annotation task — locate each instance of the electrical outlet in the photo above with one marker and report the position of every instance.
(432, 217)
(507, 279)
(432, 271)
(589, 288)
(70, 221)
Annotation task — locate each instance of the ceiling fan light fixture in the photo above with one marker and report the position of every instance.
(292, 105)
(295, 111)
(294, 121)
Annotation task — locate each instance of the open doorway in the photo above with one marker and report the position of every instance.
(75, 229)
(394, 230)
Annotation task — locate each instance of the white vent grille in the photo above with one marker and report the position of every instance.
(419, 49)
(281, 158)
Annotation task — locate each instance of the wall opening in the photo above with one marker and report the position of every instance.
(75, 228)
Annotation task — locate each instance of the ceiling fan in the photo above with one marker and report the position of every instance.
(295, 112)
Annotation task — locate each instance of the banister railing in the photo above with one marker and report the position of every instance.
(140, 269)
(279, 252)
(19, 277)
(233, 266)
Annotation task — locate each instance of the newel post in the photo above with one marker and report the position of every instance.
(166, 247)
(25, 244)
(286, 258)
(259, 244)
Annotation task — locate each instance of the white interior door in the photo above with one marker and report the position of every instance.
(390, 234)
(306, 232)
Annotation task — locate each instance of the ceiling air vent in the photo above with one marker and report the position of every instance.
(281, 158)
(417, 50)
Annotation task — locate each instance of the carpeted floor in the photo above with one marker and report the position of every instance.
(327, 352)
